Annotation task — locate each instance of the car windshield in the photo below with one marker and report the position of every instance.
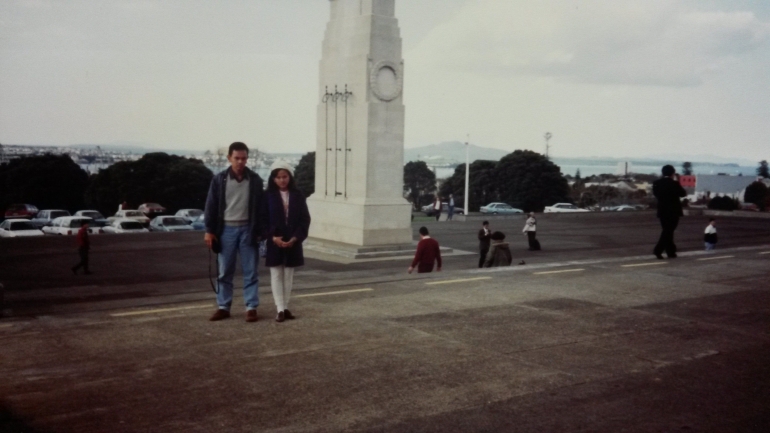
(173, 222)
(75, 223)
(59, 213)
(22, 225)
(131, 225)
(133, 213)
(92, 214)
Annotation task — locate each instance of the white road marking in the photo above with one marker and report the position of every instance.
(634, 265)
(340, 292)
(558, 272)
(715, 258)
(462, 280)
(765, 252)
(159, 310)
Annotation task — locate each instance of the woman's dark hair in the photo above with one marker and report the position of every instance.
(271, 186)
(498, 236)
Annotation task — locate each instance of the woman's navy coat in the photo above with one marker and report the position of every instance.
(276, 225)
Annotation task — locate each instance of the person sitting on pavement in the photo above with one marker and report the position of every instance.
(499, 252)
(428, 252)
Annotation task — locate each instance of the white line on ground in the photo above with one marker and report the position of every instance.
(159, 310)
(634, 265)
(340, 292)
(715, 258)
(558, 272)
(462, 280)
(765, 252)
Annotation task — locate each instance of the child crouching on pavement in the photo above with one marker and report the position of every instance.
(499, 252)
(710, 236)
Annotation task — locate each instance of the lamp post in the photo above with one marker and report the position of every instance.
(547, 137)
(467, 173)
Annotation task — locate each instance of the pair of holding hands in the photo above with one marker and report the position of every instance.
(281, 244)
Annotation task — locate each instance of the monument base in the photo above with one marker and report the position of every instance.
(361, 222)
(356, 252)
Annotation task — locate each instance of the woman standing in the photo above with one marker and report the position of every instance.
(288, 221)
(530, 229)
(437, 207)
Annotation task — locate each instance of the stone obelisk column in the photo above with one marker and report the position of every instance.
(358, 199)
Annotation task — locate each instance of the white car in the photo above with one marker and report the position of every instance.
(125, 225)
(624, 208)
(500, 208)
(135, 215)
(170, 223)
(69, 226)
(17, 228)
(189, 214)
(563, 207)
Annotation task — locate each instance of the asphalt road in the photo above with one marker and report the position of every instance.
(593, 334)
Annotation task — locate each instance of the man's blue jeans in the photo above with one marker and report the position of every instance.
(235, 240)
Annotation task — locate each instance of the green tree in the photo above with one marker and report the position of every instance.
(419, 181)
(46, 181)
(723, 203)
(304, 174)
(763, 170)
(687, 168)
(481, 185)
(757, 193)
(528, 180)
(173, 181)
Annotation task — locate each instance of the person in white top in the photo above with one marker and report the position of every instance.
(710, 235)
(437, 207)
(530, 229)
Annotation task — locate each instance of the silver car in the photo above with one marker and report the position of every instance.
(169, 223)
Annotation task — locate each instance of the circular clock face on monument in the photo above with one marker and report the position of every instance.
(386, 80)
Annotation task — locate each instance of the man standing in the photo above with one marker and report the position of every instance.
(530, 229)
(84, 245)
(233, 225)
(669, 192)
(451, 206)
(484, 236)
(427, 253)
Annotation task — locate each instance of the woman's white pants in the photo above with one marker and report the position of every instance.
(281, 281)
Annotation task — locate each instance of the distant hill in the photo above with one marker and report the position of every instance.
(451, 152)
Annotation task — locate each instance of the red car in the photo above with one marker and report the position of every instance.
(151, 209)
(21, 211)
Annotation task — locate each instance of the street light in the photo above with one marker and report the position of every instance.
(547, 137)
(467, 174)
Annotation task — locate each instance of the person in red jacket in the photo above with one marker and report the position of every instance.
(84, 244)
(427, 253)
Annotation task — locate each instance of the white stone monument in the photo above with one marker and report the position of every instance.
(358, 209)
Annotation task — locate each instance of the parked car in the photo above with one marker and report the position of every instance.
(46, 217)
(189, 214)
(18, 227)
(130, 214)
(21, 211)
(199, 223)
(563, 207)
(125, 225)
(69, 225)
(623, 208)
(428, 209)
(151, 209)
(500, 208)
(99, 219)
(170, 223)
(750, 206)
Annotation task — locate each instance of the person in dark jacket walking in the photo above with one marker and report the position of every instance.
(84, 246)
(427, 253)
(288, 222)
(484, 236)
(669, 192)
(233, 227)
(499, 252)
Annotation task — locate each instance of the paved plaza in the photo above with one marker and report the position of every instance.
(593, 334)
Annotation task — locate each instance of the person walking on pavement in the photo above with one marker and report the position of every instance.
(484, 236)
(428, 252)
(84, 246)
(669, 192)
(499, 252)
(437, 207)
(530, 229)
(288, 222)
(234, 223)
(451, 208)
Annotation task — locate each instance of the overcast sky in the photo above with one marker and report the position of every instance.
(606, 78)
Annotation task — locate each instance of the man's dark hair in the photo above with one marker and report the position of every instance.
(271, 186)
(711, 220)
(424, 231)
(668, 170)
(237, 146)
(485, 223)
